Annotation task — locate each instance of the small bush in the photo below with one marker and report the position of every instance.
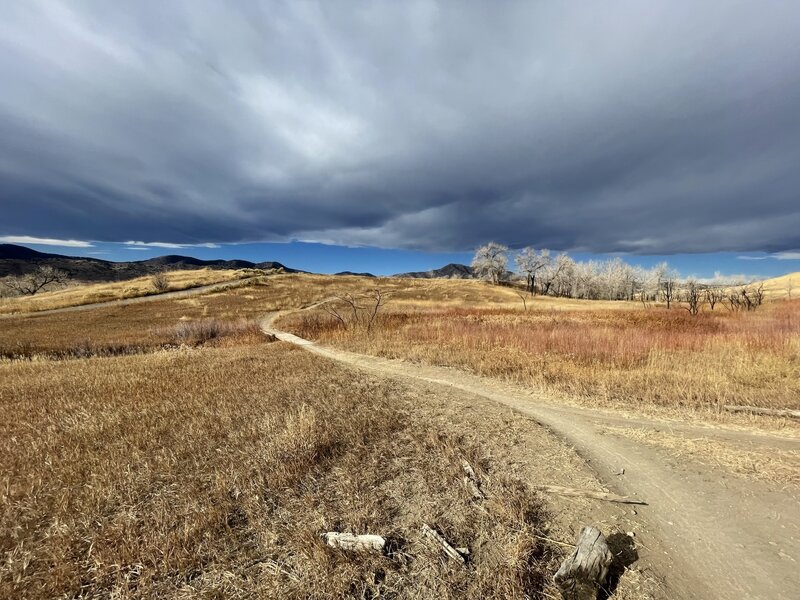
(197, 333)
(160, 282)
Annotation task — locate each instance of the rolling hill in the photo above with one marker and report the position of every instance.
(785, 286)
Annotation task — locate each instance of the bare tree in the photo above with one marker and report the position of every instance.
(357, 311)
(759, 294)
(668, 289)
(745, 298)
(160, 282)
(491, 262)
(523, 297)
(713, 296)
(692, 298)
(333, 310)
(376, 300)
(34, 282)
(559, 276)
(753, 297)
(529, 263)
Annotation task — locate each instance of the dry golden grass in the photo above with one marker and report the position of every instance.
(777, 465)
(79, 294)
(212, 473)
(134, 324)
(117, 332)
(785, 286)
(657, 356)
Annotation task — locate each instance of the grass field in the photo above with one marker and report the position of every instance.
(147, 325)
(162, 460)
(212, 474)
(629, 355)
(601, 352)
(179, 454)
(80, 294)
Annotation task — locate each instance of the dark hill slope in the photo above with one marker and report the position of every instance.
(19, 260)
(451, 271)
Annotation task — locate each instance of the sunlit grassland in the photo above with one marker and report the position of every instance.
(78, 294)
(212, 473)
(632, 355)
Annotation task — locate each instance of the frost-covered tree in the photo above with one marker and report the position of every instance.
(491, 262)
(529, 263)
(558, 276)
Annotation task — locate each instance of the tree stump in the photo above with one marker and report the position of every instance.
(585, 571)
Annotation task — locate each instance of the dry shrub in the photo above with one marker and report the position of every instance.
(152, 476)
(160, 282)
(202, 331)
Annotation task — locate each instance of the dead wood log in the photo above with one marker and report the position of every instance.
(434, 535)
(357, 543)
(585, 571)
(472, 482)
(576, 493)
(757, 410)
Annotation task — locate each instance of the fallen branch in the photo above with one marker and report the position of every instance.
(357, 543)
(448, 549)
(576, 493)
(756, 410)
(472, 482)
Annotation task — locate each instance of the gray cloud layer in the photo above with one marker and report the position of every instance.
(629, 126)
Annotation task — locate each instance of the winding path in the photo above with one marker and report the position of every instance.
(707, 532)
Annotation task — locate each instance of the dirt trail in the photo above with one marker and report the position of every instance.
(707, 532)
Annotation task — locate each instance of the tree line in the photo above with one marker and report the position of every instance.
(542, 272)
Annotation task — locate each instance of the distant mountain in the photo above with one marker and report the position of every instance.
(355, 274)
(451, 271)
(19, 260)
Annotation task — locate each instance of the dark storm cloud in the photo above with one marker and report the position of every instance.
(630, 126)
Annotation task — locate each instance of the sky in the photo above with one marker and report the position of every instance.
(400, 136)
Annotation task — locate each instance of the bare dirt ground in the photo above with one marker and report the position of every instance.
(709, 533)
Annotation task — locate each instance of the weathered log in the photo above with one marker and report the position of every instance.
(565, 491)
(472, 482)
(585, 571)
(358, 543)
(434, 535)
(757, 410)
